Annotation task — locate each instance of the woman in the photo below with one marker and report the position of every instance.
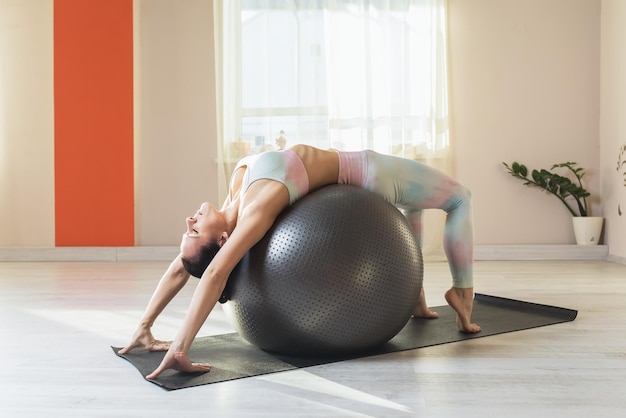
(261, 187)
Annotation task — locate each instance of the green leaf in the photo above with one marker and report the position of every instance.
(523, 170)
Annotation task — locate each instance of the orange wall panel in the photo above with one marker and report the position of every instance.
(93, 106)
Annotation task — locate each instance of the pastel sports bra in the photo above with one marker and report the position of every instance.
(285, 167)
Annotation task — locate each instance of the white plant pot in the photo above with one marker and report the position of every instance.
(587, 229)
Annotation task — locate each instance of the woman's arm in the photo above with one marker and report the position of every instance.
(170, 284)
(259, 213)
(205, 297)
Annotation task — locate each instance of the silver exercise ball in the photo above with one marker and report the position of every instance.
(339, 272)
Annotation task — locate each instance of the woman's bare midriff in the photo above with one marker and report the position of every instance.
(322, 166)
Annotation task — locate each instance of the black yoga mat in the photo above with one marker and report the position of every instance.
(231, 357)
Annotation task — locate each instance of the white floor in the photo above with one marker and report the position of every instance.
(57, 321)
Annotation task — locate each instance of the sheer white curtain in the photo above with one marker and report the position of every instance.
(385, 69)
(343, 74)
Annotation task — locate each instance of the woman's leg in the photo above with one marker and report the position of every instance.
(416, 186)
(459, 247)
(414, 217)
(413, 186)
(458, 236)
(458, 242)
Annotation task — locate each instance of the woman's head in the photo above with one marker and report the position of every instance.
(204, 237)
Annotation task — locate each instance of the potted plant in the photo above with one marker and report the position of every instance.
(572, 194)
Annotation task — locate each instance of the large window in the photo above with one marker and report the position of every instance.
(342, 74)
(283, 83)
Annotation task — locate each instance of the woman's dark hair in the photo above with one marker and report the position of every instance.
(200, 261)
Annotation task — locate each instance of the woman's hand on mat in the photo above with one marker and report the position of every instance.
(180, 362)
(143, 339)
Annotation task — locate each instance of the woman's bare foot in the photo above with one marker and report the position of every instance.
(422, 310)
(462, 301)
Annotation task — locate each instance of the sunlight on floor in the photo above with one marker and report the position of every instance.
(113, 325)
(303, 379)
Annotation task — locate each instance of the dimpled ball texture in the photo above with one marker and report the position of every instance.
(339, 272)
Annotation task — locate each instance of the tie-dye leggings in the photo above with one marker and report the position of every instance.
(412, 187)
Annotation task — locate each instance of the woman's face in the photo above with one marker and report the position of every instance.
(205, 226)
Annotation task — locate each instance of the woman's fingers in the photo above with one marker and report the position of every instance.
(126, 349)
(180, 362)
(201, 367)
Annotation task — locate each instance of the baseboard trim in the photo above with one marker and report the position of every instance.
(167, 253)
(541, 252)
(616, 259)
(120, 254)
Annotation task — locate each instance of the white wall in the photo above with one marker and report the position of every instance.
(175, 116)
(613, 122)
(525, 87)
(26, 124)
